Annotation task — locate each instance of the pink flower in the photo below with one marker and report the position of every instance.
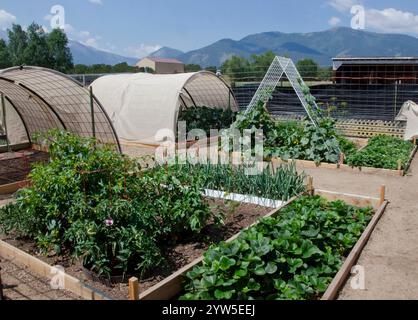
(109, 222)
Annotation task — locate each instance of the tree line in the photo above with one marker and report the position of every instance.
(36, 47)
(242, 69)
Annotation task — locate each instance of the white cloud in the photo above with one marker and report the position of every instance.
(392, 20)
(388, 20)
(99, 2)
(334, 21)
(6, 19)
(142, 50)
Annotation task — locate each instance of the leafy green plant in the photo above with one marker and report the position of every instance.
(293, 256)
(319, 141)
(206, 118)
(383, 152)
(98, 205)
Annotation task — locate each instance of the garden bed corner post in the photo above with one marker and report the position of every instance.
(382, 195)
(310, 187)
(133, 289)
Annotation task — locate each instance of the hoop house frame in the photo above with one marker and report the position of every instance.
(46, 99)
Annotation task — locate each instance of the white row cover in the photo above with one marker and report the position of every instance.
(140, 105)
(409, 113)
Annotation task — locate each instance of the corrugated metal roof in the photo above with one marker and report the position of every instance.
(339, 61)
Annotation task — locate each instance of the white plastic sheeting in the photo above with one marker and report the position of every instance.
(409, 113)
(140, 105)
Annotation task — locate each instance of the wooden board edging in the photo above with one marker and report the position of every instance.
(340, 279)
(351, 199)
(13, 187)
(411, 158)
(304, 164)
(43, 269)
(173, 285)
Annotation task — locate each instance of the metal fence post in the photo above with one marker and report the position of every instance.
(3, 106)
(93, 120)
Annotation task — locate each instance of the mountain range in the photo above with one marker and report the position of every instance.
(83, 54)
(320, 46)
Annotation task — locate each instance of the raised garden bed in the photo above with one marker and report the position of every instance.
(172, 286)
(239, 216)
(400, 172)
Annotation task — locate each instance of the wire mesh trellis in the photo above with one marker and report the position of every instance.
(281, 66)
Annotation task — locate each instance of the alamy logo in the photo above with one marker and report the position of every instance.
(58, 17)
(58, 280)
(358, 22)
(358, 280)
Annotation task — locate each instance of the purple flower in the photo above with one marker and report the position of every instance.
(109, 222)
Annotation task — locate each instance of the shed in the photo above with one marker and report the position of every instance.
(161, 65)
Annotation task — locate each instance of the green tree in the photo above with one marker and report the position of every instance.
(18, 41)
(211, 69)
(5, 61)
(58, 48)
(123, 68)
(308, 68)
(237, 68)
(37, 52)
(192, 67)
(81, 69)
(261, 63)
(325, 74)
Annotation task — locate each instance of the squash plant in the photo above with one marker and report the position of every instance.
(292, 257)
(293, 140)
(97, 204)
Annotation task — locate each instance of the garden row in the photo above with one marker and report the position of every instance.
(94, 204)
(319, 142)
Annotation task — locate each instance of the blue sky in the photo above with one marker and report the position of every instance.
(138, 27)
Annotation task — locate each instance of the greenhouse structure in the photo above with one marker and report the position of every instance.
(37, 100)
(140, 105)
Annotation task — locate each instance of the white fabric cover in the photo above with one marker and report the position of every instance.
(139, 105)
(15, 128)
(409, 113)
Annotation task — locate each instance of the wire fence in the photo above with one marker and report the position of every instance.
(358, 96)
(361, 93)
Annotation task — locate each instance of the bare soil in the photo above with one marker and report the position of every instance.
(238, 217)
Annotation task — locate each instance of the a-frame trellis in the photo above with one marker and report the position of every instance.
(280, 67)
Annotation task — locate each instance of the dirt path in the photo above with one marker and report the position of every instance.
(390, 258)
